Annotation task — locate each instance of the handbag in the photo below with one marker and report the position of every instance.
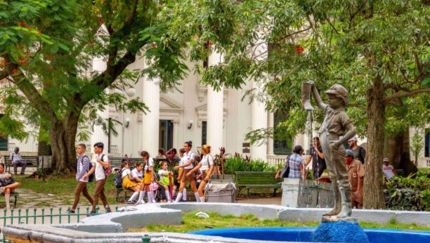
(8, 181)
(286, 170)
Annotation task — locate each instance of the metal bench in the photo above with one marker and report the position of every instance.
(124, 197)
(15, 195)
(32, 161)
(256, 179)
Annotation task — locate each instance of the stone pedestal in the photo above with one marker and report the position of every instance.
(340, 231)
(290, 192)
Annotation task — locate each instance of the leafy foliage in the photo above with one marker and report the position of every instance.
(408, 193)
(239, 163)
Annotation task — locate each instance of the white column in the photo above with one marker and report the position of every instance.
(98, 134)
(258, 121)
(258, 111)
(215, 111)
(151, 120)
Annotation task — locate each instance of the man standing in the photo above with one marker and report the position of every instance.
(101, 162)
(16, 160)
(82, 174)
(356, 178)
(359, 152)
(317, 156)
(388, 169)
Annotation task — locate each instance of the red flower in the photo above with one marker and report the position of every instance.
(15, 70)
(19, 24)
(299, 49)
(209, 44)
(39, 32)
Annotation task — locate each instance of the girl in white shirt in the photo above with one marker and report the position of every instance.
(166, 180)
(188, 176)
(206, 167)
(132, 180)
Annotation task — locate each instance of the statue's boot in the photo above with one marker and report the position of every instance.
(306, 95)
(337, 201)
(345, 193)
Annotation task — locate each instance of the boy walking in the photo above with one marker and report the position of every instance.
(101, 162)
(82, 174)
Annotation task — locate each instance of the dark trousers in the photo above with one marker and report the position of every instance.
(81, 188)
(17, 163)
(99, 193)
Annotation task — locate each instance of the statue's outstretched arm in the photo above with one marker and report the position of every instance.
(318, 99)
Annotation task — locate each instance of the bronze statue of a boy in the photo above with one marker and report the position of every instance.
(336, 129)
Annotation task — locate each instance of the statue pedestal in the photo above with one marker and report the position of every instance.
(339, 231)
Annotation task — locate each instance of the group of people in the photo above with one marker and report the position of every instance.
(191, 168)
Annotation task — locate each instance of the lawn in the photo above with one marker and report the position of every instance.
(191, 222)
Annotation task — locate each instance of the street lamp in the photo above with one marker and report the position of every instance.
(126, 121)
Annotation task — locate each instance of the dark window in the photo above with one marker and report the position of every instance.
(427, 144)
(204, 132)
(166, 134)
(3, 139)
(281, 141)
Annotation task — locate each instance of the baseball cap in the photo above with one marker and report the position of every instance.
(349, 152)
(386, 160)
(353, 139)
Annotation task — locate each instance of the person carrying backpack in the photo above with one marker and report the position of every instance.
(99, 165)
(83, 175)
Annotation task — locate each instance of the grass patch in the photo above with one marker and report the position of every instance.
(63, 188)
(215, 220)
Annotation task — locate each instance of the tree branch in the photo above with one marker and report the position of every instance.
(406, 94)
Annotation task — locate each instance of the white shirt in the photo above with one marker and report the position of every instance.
(388, 171)
(149, 164)
(188, 156)
(206, 162)
(125, 172)
(161, 172)
(137, 174)
(99, 172)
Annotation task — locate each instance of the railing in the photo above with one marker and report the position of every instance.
(42, 216)
(276, 160)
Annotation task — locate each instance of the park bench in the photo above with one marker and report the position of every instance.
(13, 195)
(256, 179)
(124, 197)
(32, 161)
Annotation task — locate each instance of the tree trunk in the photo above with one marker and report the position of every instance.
(373, 188)
(62, 137)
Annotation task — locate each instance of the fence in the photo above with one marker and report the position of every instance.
(42, 216)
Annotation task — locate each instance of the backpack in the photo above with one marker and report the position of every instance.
(107, 170)
(91, 177)
(117, 179)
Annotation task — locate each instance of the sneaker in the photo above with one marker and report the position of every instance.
(108, 210)
(140, 202)
(92, 213)
(70, 211)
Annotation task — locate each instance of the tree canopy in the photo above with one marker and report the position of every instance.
(378, 50)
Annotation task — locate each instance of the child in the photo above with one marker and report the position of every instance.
(166, 180)
(336, 129)
(206, 167)
(132, 180)
(147, 179)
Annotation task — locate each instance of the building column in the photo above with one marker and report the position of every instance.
(151, 120)
(98, 135)
(215, 111)
(271, 124)
(258, 121)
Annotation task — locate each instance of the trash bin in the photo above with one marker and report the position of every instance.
(220, 192)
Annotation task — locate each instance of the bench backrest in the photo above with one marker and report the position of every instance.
(29, 158)
(255, 178)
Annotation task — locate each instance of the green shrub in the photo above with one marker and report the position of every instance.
(407, 193)
(239, 163)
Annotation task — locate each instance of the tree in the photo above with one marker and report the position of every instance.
(47, 48)
(377, 49)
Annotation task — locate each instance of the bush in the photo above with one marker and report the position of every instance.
(238, 163)
(407, 193)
